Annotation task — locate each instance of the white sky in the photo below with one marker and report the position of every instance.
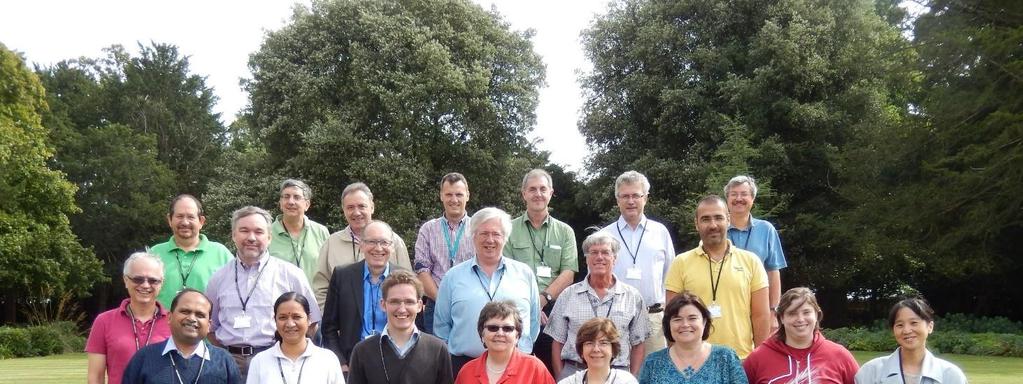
(219, 35)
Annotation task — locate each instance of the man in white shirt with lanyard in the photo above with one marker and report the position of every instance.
(646, 252)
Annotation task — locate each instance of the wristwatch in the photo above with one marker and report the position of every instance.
(547, 296)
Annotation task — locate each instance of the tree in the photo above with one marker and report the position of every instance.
(395, 94)
(40, 259)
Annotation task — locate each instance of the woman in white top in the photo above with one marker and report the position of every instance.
(912, 320)
(598, 344)
(294, 359)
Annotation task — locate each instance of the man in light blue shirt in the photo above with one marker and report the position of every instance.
(487, 277)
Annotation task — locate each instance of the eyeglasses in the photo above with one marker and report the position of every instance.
(399, 302)
(739, 194)
(634, 196)
(378, 243)
(601, 343)
(495, 328)
(142, 280)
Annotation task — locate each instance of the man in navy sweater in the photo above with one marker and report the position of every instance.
(185, 357)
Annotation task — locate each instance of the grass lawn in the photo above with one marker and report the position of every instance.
(70, 368)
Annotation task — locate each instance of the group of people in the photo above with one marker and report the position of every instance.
(483, 299)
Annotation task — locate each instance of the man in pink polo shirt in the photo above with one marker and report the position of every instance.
(139, 321)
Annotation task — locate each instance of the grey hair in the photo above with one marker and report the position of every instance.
(740, 180)
(632, 177)
(487, 214)
(139, 256)
(247, 211)
(371, 222)
(537, 173)
(601, 238)
(356, 187)
(307, 192)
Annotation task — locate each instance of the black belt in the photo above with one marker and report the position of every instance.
(656, 308)
(246, 350)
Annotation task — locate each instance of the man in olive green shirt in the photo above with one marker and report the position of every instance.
(189, 258)
(547, 245)
(296, 239)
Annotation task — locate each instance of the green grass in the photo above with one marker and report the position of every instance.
(70, 368)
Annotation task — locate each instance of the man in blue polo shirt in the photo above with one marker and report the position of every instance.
(755, 235)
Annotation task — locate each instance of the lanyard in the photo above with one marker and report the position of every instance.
(749, 234)
(281, 369)
(185, 275)
(374, 292)
(300, 247)
(714, 284)
(202, 362)
(237, 287)
(543, 243)
(452, 249)
(355, 240)
(634, 255)
(135, 332)
(484, 285)
(594, 305)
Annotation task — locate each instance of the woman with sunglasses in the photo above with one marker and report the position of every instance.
(912, 320)
(500, 327)
(293, 359)
(598, 343)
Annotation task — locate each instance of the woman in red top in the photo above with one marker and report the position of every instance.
(798, 352)
(500, 326)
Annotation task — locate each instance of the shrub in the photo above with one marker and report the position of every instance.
(40, 340)
(973, 324)
(46, 340)
(16, 341)
(980, 344)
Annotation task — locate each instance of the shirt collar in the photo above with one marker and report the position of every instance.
(277, 352)
(614, 289)
(624, 224)
(199, 349)
(464, 219)
(263, 259)
(475, 262)
(365, 271)
(751, 222)
(280, 229)
(414, 338)
(928, 369)
(198, 248)
(159, 313)
(701, 252)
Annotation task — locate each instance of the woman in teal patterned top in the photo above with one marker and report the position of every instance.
(691, 359)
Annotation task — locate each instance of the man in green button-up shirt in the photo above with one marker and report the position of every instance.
(189, 258)
(296, 239)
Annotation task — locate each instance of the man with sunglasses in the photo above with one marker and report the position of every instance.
(140, 320)
(352, 312)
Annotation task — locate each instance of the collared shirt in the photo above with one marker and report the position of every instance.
(314, 365)
(197, 265)
(307, 244)
(432, 246)
(762, 239)
(579, 303)
(888, 370)
(555, 240)
(341, 250)
(736, 276)
(112, 335)
(271, 278)
(467, 288)
(373, 316)
(402, 351)
(200, 349)
(651, 243)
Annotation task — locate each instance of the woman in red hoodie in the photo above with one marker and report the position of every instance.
(798, 352)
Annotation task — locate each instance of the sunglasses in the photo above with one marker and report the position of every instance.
(142, 279)
(495, 328)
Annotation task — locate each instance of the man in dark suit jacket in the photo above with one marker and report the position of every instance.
(352, 312)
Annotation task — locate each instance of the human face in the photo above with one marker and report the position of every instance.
(454, 196)
(910, 330)
(402, 305)
(252, 237)
(537, 194)
(186, 221)
(293, 202)
(500, 341)
(190, 321)
(358, 209)
(489, 240)
(740, 199)
(800, 322)
(600, 260)
(292, 322)
(712, 223)
(687, 326)
(631, 201)
(377, 244)
(597, 353)
(146, 292)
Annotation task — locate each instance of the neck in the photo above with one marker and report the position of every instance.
(142, 311)
(633, 221)
(375, 272)
(597, 374)
(602, 281)
(294, 224)
(740, 220)
(803, 343)
(716, 252)
(688, 349)
(400, 336)
(452, 217)
(499, 359)
(185, 348)
(487, 264)
(250, 262)
(912, 358)
(537, 218)
(293, 350)
(187, 244)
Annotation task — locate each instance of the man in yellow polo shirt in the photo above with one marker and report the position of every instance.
(731, 282)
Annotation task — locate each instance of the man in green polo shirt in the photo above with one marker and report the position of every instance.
(189, 259)
(547, 245)
(296, 239)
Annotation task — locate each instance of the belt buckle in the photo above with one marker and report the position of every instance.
(246, 350)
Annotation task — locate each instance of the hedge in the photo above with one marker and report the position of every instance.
(982, 344)
(40, 340)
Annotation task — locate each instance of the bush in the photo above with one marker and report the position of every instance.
(972, 324)
(40, 340)
(980, 344)
(15, 342)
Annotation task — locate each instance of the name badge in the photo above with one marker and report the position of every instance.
(634, 273)
(557, 247)
(242, 321)
(543, 271)
(715, 310)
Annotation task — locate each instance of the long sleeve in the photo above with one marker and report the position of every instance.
(534, 311)
(331, 315)
(442, 311)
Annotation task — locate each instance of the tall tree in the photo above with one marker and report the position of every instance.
(40, 258)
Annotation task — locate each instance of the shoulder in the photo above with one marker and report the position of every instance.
(428, 340)
(656, 226)
(761, 223)
(622, 376)
(367, 345)
(515, 265)
(561, 225)
(723, 352)
(949, 373)
(221, 273)
(217, 247)
(874, 367)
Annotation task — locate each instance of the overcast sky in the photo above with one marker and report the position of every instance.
(219, 35)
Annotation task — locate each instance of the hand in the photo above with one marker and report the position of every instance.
(543, 318)
(543, 302)
(344, 368)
